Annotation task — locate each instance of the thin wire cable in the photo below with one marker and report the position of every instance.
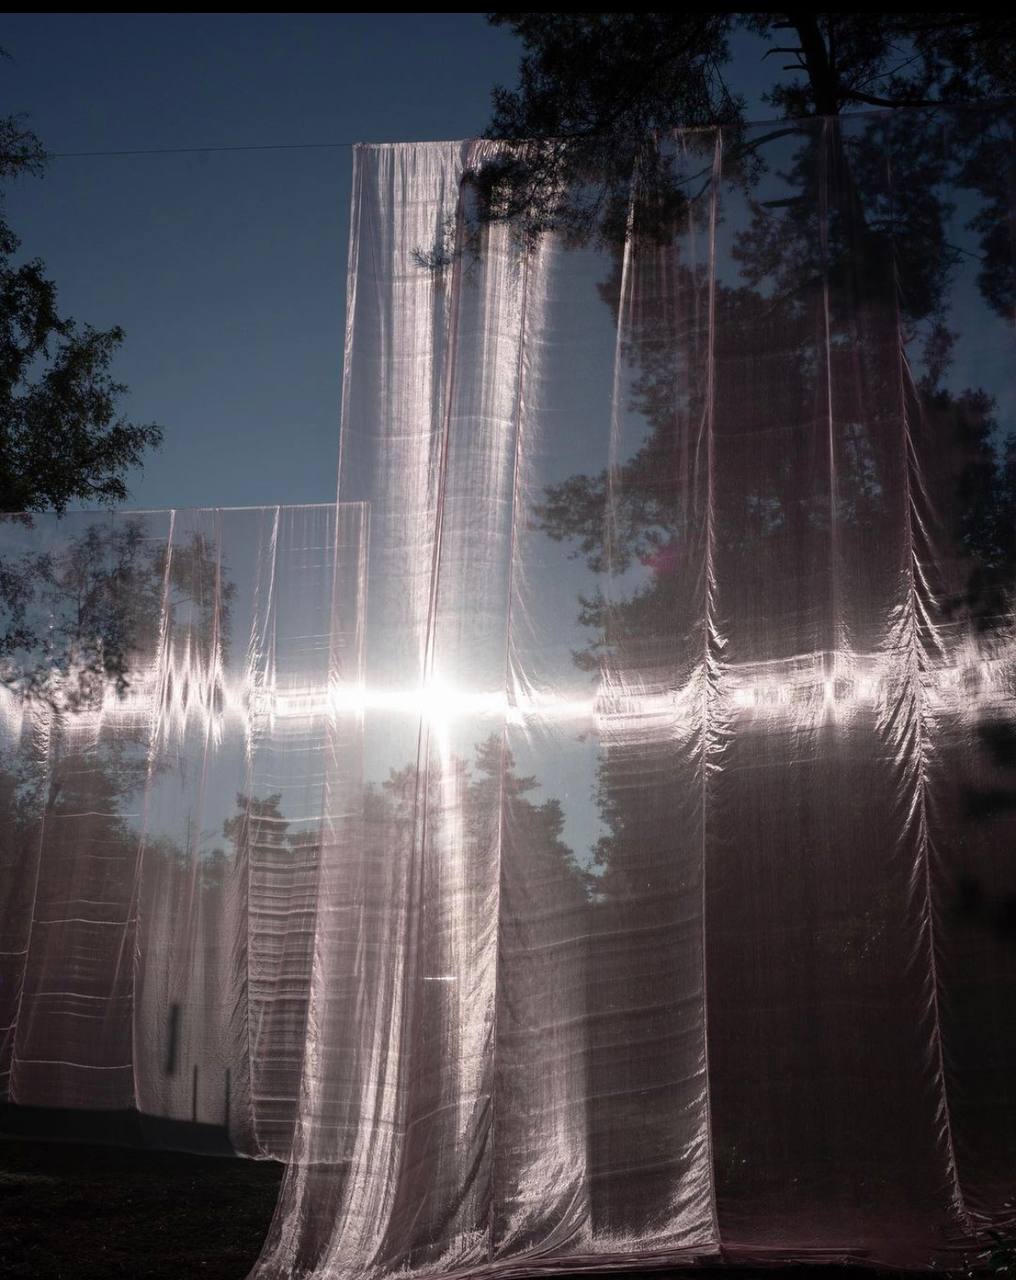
(325, 146)
(191, 151)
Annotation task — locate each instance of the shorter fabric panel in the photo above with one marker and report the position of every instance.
(170, 748)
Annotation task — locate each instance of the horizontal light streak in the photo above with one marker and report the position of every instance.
(786, 687)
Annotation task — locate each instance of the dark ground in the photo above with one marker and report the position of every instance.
(70, 1212)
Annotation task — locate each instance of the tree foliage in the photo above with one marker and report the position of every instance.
(63, 437)
(595, 89)
(85, 613)
(845, 274)
(597, 93)
(63, 440)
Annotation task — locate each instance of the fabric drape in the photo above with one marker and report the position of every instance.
(665, 929)
(590, 843)
(172, 757)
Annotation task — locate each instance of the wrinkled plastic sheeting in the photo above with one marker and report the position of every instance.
(175, 756)
(672, 922)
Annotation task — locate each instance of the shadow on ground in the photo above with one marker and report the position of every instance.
(76, 1212)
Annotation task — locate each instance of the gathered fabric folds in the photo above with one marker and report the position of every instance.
(665, 930)
(592, 843)
(172, 761)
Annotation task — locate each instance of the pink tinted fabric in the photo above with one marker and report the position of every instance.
(162, 841)
(649, 942)
(590, 845)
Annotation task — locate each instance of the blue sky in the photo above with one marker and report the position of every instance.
(227, 270)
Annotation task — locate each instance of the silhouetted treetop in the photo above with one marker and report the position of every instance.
(598, 92)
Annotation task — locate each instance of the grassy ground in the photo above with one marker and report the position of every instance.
(96, 1213)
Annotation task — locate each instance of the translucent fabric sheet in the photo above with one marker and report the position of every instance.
(172, 761)
(677, 916)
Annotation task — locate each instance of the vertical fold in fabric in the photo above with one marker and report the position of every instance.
(911, 725)
(955, 406)
(658, 721)
(180, 988)
(72, 1043)
(816, 951)
(25, 735)
(434, 341)
(587, 845)
(540, 1193)
(164, 751)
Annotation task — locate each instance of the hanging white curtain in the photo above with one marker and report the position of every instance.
(603, 855)
(650, 939)
(163, 831)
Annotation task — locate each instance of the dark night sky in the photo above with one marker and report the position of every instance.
(227, 271)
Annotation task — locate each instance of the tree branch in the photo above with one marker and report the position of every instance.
(820, 73)
(873, 100)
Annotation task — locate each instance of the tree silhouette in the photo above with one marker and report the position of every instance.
(86, 622)
(836, 332)
(597, 92)
(62, 437)
(85, 615)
